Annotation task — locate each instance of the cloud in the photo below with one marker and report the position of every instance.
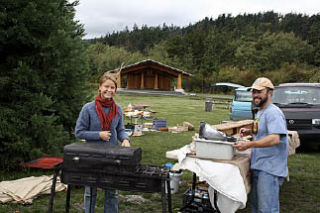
(100, 17)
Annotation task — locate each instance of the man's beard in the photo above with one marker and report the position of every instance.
(262, 102)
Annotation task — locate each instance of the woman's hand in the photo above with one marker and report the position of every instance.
(125, 143)
(105, 135)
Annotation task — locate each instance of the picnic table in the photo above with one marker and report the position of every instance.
(138, 112)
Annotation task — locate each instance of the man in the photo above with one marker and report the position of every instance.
(269, 149)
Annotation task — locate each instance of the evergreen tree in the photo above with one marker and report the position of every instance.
(43, 73)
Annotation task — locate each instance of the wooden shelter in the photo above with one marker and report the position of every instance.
(150, 74)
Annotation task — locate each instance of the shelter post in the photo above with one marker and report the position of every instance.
(179, 81)
(156, 81)
(142, 81)
(119, 79)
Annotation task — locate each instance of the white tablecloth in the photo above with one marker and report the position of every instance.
(223, 177)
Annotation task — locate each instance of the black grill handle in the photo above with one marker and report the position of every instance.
(76, 159)
(117, 162)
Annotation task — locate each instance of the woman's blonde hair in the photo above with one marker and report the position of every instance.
(108, 76)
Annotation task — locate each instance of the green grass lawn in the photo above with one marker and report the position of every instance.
(300, 194)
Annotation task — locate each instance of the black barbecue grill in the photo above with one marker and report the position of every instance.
(112, 167)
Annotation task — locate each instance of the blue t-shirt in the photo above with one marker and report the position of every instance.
(273, 159)
(88, 126)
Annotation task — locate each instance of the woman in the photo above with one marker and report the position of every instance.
(101, 121)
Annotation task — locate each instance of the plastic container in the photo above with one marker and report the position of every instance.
(174, 181)
(214, 149)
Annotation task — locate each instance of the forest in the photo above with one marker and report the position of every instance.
(238, 49)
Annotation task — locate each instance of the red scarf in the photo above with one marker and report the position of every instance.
(105, 120)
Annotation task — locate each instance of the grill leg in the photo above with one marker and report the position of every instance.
(215, 201)
(163, 196)
(53, 189)
(194, 182)
(169, 195)
(91, 188)
(68, 198)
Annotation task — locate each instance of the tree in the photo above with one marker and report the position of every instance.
(43, 73)
(104, 58)
(270, 51)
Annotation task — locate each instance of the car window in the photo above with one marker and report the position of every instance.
(243, 96)
(287, 95)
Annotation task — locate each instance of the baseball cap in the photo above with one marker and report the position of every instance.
(261, 83)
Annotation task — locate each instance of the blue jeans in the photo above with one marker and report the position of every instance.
(110, 200)
(264, 196)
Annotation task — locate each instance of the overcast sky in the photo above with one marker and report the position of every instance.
(101, 17)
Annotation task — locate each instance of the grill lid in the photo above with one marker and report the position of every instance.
(86, 155)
